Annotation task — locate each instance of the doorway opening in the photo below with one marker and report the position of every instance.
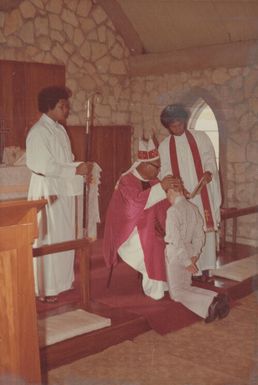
(203, 119)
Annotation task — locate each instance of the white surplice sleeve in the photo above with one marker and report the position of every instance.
(207, 153)
(209, 164)
(49, 157)
(165, 162)
(40, 157)
(157, 194)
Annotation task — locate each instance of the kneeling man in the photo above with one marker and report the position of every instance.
(184, 241)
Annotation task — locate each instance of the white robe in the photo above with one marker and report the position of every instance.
(185, 238)
(48, 152)
(187, 171)
(131, 250)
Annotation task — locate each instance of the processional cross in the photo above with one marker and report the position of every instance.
(89, 109)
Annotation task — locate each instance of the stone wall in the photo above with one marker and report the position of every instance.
(80, 36)
(233, 96)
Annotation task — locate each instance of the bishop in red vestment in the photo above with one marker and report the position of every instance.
(134, 222)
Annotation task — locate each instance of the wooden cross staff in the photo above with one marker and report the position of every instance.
(89, 107)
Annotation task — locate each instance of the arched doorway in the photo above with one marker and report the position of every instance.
(197, 101)
(203, 119)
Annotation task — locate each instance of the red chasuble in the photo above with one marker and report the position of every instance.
(125, 212)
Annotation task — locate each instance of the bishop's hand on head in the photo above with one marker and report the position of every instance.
(169, 181)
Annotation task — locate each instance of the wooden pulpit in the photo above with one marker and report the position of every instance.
(19, 347)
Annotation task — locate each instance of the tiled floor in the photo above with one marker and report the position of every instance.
(120, 330)
(221, 353)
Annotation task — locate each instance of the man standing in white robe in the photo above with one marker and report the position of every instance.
(190, 155)
(56, 177)
(184, 241)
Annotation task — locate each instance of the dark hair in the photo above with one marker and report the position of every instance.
(173, 112)
(50, 96)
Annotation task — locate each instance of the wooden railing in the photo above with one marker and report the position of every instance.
(234, 213)
(83, 247)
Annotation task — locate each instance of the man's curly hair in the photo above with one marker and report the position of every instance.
(173, 112)
(48, 97)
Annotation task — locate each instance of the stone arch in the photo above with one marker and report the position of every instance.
(201, 110)
(196, 111)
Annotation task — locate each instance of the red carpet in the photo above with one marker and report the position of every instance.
(125, 293)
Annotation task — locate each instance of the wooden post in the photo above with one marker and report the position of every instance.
(84, 268)
(19, 347)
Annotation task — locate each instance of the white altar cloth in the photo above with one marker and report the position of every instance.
(14, 182)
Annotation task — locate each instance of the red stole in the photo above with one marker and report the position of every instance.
(199, 172)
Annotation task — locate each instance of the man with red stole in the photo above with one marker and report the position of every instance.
(189, 155)
(132, 227)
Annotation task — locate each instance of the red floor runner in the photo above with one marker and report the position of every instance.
(125, 293)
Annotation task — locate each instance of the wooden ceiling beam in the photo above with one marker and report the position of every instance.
(221, 55)
(122, 25)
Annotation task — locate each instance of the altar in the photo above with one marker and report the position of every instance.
(14, 182)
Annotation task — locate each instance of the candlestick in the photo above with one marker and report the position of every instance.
(88, 109)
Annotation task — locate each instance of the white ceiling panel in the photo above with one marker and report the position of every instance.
(166, 25)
